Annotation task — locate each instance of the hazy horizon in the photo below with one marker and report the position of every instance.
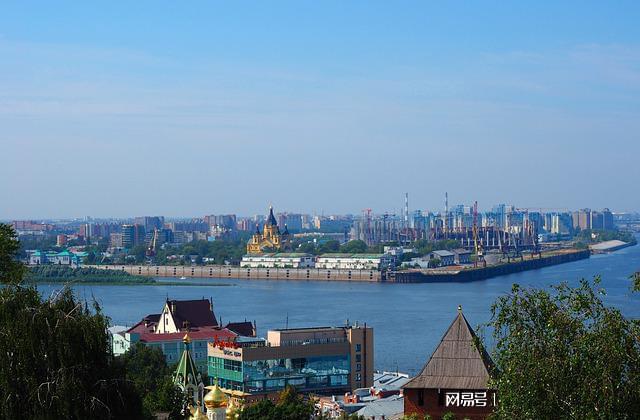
(119, 110)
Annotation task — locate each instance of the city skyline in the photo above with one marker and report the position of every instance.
(142, 109)
(397, 212)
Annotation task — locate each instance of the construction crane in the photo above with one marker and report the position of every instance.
(151, 250)
(533, 233)
(476, 244)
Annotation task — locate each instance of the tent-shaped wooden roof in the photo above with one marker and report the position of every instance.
(456, 363)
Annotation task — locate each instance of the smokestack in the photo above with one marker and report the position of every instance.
(406, 209)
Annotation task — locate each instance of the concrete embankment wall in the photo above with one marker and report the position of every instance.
(488, 272)
(235, 272)
(612, 248)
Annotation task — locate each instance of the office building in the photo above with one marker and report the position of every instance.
(132, 235)
(150, 222)
(322, 360)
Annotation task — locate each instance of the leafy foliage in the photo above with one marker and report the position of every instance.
(147, 369)
(588, 236)
(221, 251)
(62, 273)
(635, 278)
(56, 361)
(565, 355)
(290, 406)
(354, 247)
(11, 271)
(415, 416)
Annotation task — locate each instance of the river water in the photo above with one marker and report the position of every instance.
(408, 319)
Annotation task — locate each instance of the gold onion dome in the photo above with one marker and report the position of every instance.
(215, 398)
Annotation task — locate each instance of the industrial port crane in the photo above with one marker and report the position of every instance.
(477, 244)
(151, 250)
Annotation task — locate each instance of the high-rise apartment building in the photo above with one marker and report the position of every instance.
(132, 235)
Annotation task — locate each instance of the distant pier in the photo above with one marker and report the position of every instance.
(608, 246)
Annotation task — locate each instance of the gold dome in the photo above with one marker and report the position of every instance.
(215, 398)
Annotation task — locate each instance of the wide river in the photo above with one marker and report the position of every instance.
(408, 319)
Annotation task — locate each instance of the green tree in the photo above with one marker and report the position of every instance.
(11, 271)
(138, 252)
(354, 247)
(307, 247)
(415, 416)
(329, 247)
(635, 287)
(55, 360)
(563, 354)
(147, 368)
(290, 406)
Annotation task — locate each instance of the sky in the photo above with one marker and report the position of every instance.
(114, 109)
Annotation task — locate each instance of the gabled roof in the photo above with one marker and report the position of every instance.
(456, 363)
(197, 312)
(443, 253)
(245, 328)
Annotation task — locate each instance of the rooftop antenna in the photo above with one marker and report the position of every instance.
(287, 322)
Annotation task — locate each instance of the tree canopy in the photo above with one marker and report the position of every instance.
(563, 354)
(147, 369)
(11, 271)
(354, 247)
(56, 359)
(290, 406)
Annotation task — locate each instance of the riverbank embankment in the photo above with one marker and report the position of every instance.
(462, 274)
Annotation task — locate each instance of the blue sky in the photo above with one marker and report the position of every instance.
(131, 108)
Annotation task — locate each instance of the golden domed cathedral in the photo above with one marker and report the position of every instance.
(270, 240)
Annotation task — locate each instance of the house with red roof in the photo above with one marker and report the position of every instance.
(166, 330)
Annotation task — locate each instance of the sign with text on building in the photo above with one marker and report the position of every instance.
(231, 353)
(468, 399)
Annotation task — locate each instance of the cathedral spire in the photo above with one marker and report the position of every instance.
(271, 221)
